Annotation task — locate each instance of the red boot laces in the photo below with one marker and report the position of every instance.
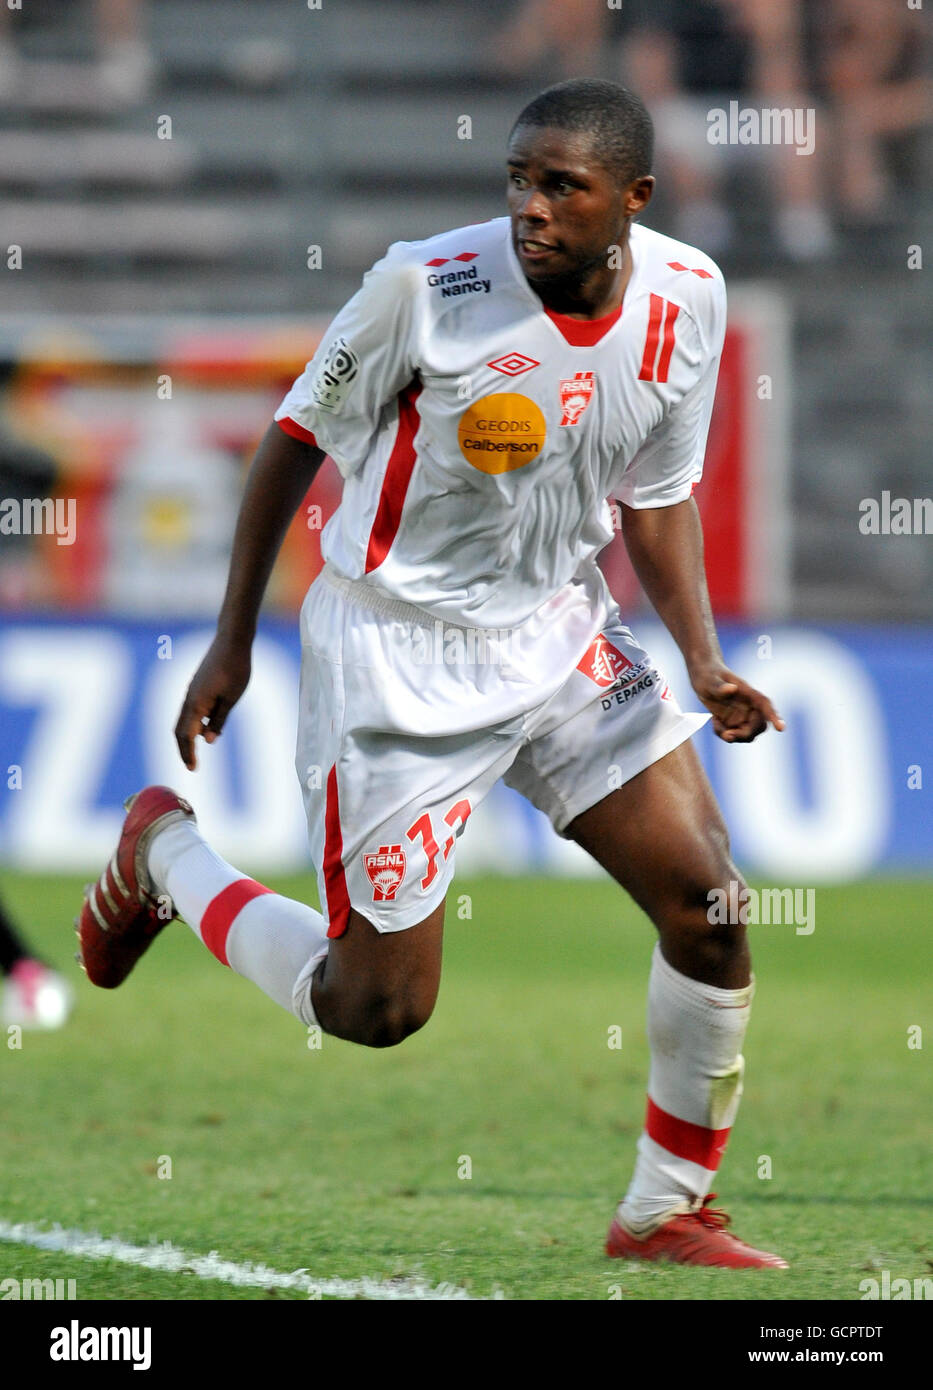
(714, 1217)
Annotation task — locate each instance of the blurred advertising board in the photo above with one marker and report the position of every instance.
(147, 426)
(87, 708)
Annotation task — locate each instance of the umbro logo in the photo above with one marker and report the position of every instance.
(513, 364)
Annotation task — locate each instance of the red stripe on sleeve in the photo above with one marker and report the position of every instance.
(221, 911)
(651, 341)
(297, 431)
(664, 361)
(335, 879)
(397, 477)
(692, 1142)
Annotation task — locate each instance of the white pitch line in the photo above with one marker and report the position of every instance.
(167, 1258)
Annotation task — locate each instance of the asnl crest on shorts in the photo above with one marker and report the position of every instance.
(603, 662)
(576, 392)
(385, 870)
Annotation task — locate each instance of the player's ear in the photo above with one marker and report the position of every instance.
(638, 195)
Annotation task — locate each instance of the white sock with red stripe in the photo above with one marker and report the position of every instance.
(276, 942)
(696, 1033)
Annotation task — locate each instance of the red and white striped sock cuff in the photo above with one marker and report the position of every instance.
(223, 910)
(684, 1140)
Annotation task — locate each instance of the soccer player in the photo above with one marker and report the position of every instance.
(483, 394)
(34, 996)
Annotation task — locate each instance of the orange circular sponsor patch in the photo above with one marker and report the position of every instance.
(501, 432)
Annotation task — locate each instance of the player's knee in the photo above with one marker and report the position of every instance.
(711, 919)
(716, 919)
(722, 940)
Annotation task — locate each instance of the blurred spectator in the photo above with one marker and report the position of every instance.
(33, 995)
(126, 62)
(859, 65)
(688, 57)
(876, 74)
(25, 473)
(124, 70)
(569, 32)
(169, 519)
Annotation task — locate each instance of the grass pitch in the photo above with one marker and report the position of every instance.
(487, 1151)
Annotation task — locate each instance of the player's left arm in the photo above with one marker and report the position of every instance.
(662, 528)
(665, 545)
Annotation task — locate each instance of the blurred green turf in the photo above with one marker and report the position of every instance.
(344, 1162)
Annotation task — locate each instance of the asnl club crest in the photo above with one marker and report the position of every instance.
(576, 392)
(385, 870)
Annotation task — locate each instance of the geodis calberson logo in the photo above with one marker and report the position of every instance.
(501, 432)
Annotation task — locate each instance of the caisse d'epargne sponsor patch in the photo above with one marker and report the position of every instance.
(634, 685)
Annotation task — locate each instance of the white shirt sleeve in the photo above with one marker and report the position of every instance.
(364, 359)
(669, 464)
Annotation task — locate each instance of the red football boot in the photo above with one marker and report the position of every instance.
(121, 916)
(696, 1237)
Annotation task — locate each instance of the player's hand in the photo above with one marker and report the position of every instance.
(218, 683)
(740, 713)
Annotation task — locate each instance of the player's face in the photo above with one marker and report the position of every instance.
(567, 209)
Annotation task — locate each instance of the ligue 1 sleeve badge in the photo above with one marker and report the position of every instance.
(385, 870)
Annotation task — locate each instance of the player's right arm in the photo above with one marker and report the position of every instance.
(362, 362)
(282, 472)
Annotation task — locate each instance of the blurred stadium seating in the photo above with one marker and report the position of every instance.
(336, 127)
(293, 128)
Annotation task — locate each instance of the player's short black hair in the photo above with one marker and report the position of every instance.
(616, 118)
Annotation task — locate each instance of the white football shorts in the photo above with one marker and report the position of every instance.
(406, 724)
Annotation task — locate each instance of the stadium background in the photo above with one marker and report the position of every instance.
(170, 289)
(196, 186)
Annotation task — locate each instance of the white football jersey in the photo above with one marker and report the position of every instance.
(480, 435)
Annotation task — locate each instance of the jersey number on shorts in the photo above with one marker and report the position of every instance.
(456, 816)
